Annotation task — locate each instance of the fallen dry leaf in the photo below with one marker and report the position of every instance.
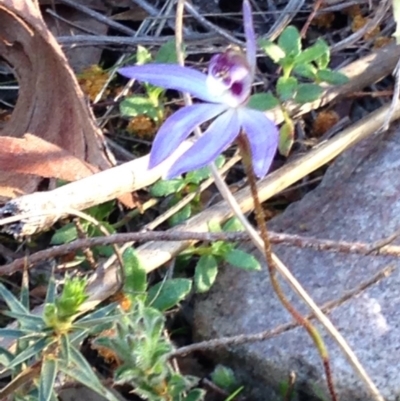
(50, 106)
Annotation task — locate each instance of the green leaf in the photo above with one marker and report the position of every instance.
(167, 53)
(165, 295)
(32, 351)
(290, 41)
(167, 187)
(271, 50)
(197, 176)
(306, 71)
(243, 260)
(135, 280)
(5, 357)
(319, 49)
(101, 212)
(80, 370)
(323, 61)
(51, 290)
(286, 88)
(12, 302)
(47, 379)
(13, 333)
(196, 394)
(233, 225)
(65, 234)
(224, 378)
(286, 138)
(214, 226)
(332, 77)
(65, 348)
(205, 273)
(139, 105)
(307, 93)
(263, 101)
(143, 56)
(181, 216)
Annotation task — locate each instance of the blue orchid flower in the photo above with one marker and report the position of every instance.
(225, 91)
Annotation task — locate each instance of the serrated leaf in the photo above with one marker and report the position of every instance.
(263, 101)
(167, 53)
(139, 105)
(286, 138)
(205, 273)
(242, 259)
(306, 71)
(47, 379)
(332, 77)
(290, 41)
(286, 88)
(165, 295)
(135, 280)
(181, 216)
(271, 50)
(313, 53)
(233, 225)
(307, 93)
(167, 187)
(64, 235)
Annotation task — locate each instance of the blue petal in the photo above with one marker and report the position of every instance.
(171, 76)
(220, 134)
(178, 127)
(251, 44)
(263, 137)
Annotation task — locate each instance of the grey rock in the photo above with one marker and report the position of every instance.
(358, 200)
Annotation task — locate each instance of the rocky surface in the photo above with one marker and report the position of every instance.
(358, 200)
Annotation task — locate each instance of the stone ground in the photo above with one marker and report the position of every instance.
(358, 200)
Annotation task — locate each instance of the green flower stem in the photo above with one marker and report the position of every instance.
(261, 222)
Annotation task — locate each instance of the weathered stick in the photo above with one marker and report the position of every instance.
(154, 254)
(47, 207)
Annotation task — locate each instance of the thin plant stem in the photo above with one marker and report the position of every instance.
(282, 269)
(261, 222)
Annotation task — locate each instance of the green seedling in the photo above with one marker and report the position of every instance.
(177, 188)
(302, 73)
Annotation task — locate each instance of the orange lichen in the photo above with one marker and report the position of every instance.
(382, 41)
(324, 121)
(324, 20)
(92, 81)
(142, 126)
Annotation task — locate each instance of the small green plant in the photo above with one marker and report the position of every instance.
(68, 232)
(296, 65)
(143, 351)
(212, 255)
(49, 344)
(150, 104)
(177, 188)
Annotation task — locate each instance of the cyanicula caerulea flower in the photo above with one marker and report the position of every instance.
(225, 91)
